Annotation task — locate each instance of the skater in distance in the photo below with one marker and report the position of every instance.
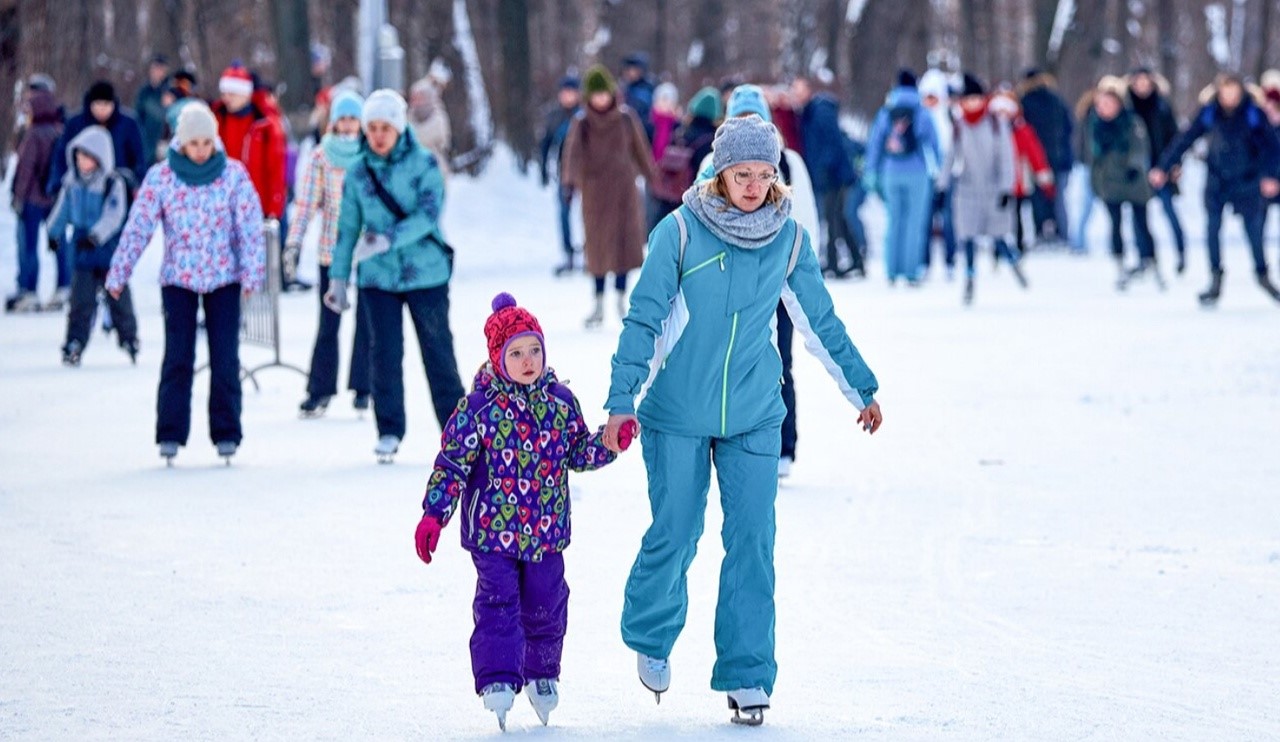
(696, 349)
(503, 468)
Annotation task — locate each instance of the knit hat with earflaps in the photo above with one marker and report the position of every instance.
(598, 80)
(749, 139)
(507, 323)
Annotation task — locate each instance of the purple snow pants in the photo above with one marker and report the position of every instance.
(521, 611)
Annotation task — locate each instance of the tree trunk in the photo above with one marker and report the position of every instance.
(293, 54)
(517, 78)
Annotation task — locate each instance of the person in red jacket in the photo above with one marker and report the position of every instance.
(1031, 166)
(250, 127)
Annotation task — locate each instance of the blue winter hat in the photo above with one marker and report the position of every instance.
(346, 104)
(749, 139)
(570, 82)
(748, 99)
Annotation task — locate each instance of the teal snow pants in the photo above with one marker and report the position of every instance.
(657, 596)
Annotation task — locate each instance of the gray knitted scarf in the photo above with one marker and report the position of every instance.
(751, 230)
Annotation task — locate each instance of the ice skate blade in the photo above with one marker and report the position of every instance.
(754, 717)
(502, 720)
(168, 462)
(386, 458)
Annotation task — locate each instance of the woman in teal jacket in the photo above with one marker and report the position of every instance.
(697, 350)
(389, 231)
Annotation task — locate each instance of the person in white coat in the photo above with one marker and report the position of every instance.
(749, 100)
(935, 96)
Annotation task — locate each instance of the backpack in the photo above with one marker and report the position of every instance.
(900, 141)
(675, 169)
(130, 181)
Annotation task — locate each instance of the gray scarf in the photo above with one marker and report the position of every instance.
(730, 224)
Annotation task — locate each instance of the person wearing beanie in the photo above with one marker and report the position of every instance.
(556, 119)
(214, 253)
(1050, 116)
(252, 130)
(935, 96)
(903, 161)
(430, 119)
(676, 166)
(389, 236)
(666, 117)
(1030, 164)
(979, 173)
(604, 152)
(1145, 97)
(87, 220)
(101, 108)
(31, 202)
(697, 348)
(1243, 165)
(826, 154)
(518, 425)
(638, 89)
(1118, 155)
(320, 190)
(149, 105)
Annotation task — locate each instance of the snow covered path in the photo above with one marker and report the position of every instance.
(1067, 529)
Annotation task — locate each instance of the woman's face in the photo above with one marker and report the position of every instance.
(382, 137)
(1107, 106)
(523, 360)
(601, 101)
(198, 150)
(748, 184)
(347, 126)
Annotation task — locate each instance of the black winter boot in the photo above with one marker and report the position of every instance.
(1265, 282)
(1211, 295)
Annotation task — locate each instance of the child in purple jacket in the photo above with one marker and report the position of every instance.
(504, 463)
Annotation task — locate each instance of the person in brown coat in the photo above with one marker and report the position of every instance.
(605, 150)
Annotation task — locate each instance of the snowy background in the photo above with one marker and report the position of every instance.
(1067, 529)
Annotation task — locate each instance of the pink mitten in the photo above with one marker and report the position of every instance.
(427, 537)
(626, 434)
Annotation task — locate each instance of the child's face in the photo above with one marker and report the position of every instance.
(523, 360)
(85, 163)
(347, 126)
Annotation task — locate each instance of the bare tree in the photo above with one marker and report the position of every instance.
(293, 54)
(517, 78)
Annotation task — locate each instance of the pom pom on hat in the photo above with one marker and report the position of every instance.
(347, 104)
(507, 323)
(749, 139)
(236, 80)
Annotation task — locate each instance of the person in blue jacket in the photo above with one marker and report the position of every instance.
(697, 350)
(555, 128)
(903, 159)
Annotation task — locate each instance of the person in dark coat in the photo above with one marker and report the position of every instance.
(149, 105)
(1244, 169)
(1050, 116)
(555, 128)
(1118, 155)
(30, 201)
(831, 172)
(637, 89)
(604, 152)
(1150, 104)
(102, 108)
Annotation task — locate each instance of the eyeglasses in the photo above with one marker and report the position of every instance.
(742, 177)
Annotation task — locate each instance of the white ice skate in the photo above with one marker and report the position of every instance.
(544, 696)
(749, 701)
(386, 449)
(227, 449)
(498, 698)
(655, 674)
(168, 450)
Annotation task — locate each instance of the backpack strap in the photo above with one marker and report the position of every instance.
(795, 250)
(684, 241)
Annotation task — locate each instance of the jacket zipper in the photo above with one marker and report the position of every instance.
(704, 264)
(724, 393)
(471, 516)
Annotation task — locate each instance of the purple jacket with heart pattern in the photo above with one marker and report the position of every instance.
(504, 463)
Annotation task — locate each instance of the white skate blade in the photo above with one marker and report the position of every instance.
(749, 701)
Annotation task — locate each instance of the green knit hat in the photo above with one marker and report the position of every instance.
(705, 104)
(598, 80)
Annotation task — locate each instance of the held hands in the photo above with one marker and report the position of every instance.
(870, 417)
(427, 537)
(336, 297)
(1270, 187)
(1157, 178)
(619, 432)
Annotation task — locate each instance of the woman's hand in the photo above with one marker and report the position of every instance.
(613, 432)
(870, 417)
(115, 293)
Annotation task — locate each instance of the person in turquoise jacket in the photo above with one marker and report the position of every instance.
(697, 351)
(389, 232)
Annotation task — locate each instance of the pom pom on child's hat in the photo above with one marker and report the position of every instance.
(507, 323)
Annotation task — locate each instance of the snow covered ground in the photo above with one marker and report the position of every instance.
(1068, 528)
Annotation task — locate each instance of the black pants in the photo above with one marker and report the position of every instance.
(1246, 201)
(1141, 232)
(429, 310)
(832, 213)
(85, 285)
(785, 332)
(323, 379)
(619, 283)
(222, 325)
